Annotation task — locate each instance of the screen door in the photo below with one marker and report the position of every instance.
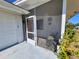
(31, 30)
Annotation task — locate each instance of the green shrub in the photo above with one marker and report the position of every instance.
(64, 44)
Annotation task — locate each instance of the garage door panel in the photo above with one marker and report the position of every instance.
(8, 30)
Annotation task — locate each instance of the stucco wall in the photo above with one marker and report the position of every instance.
(10, 29)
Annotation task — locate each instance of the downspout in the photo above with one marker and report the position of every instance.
(63, 18)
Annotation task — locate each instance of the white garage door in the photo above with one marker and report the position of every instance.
(9, 30)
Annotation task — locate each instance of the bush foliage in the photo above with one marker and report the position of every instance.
(69, 46)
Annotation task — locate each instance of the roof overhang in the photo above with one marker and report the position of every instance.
(10, 8)
(30, 4)
(72, 8)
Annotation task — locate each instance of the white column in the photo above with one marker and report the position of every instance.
(63, 18)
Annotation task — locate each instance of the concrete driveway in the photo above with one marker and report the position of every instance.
(27, 51)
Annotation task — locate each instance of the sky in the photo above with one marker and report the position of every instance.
(74, 19)
(10, 1)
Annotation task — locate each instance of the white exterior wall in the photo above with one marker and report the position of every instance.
(54, 28)
(10, 29)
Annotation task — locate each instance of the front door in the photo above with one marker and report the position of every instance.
(31, 30)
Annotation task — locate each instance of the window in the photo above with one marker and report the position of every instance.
(40, 24)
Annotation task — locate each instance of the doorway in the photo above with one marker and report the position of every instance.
(31, 30)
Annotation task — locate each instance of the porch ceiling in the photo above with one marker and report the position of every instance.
(30, 4)
(9, 8)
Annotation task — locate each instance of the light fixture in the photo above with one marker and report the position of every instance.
(19, 2)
